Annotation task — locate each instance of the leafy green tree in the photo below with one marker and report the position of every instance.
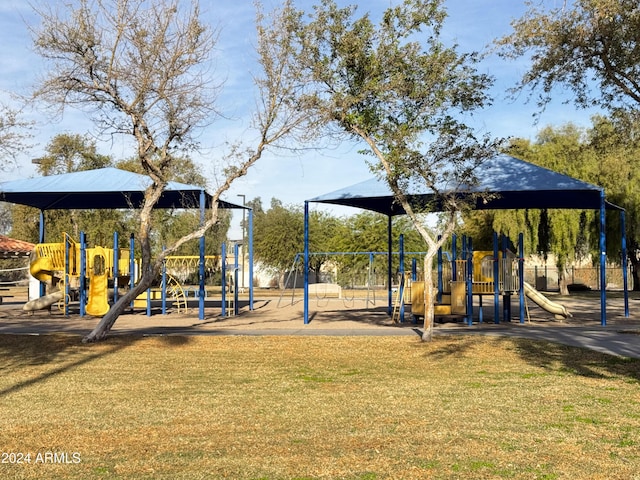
(398, 90)
(605, 154)
(279, 236)
(368, 232)
(588, 46)
(615, 143)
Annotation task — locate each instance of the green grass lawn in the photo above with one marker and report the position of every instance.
(316, 407)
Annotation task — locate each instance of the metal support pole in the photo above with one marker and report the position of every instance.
(224, 280)
(201, 292)
(624, 262)
(66, 275)
(496, 280)
(83, 273)
(132, 265)
(469, 253)
(116, 270)
(603, 263)
(390, 264)
(250, 240)
(306, 263)
(164, 286)
(521, 274)
(236, 251)
(43, 287)
(402, 283)
(440, 284)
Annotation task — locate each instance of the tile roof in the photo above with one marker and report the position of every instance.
(10, 247)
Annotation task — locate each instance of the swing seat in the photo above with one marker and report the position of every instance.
(325, 290)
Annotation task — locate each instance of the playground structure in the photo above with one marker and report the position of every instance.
(460, 277)
(69, 270)
(342, 281)
(497, 273)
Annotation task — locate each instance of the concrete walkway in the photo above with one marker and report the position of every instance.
(610, 339)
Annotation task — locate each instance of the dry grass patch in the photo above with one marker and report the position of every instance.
(317, 407)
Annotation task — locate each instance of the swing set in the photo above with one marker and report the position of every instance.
(344, 275)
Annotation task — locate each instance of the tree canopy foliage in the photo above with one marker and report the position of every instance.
(14, 134)
(143, 69)
(397, 89)
(590, 47)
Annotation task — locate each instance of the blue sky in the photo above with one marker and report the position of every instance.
(472, 24)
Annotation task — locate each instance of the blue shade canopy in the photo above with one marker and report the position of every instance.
(103, 188)
(512, 184)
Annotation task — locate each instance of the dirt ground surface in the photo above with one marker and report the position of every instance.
(274, 314)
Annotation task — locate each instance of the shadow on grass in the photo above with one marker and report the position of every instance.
(576, 360)
(37, 358)
(451, 347)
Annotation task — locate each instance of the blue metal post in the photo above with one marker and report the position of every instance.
(469, 252)
(132, 264)
(148, 302)
(306, 263)
(401, 286)
(164, 287)
(603, 263)
(521, 274)
(389, 263)
(201, 292)
(235, 278)
(43, 287)
(83, 273)
(116, 270)
(506, 299)
(250, 239)
(224, 279)
(496, 280)
(66, 274)
(440, 285)
(625, 279)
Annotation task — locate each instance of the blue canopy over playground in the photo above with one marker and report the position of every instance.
(102, 188)
(111, 188)
(512, 184)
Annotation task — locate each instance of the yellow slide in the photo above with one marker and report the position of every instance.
(98, 301)
(559, 311)
(42, 268)
(43, 302)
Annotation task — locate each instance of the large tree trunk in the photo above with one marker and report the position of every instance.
(104, 326)
(148, 268)
(563, 280)
(427, 334)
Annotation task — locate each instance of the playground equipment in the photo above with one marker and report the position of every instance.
(65, 267)
(98, 300)
(479, 273)
(560, 311)
(348, 272)
(95, 275)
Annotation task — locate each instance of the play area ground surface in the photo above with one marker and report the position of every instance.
(276, 314)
